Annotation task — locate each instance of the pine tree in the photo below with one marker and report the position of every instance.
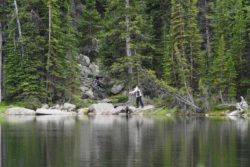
(223, 73)
(115, 37)
(194, 53)
(175, 47)
(61, 57)
(72, 71)
(24, 61)
(230, 22)
(89, 28)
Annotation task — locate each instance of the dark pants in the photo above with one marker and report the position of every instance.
(139, 100)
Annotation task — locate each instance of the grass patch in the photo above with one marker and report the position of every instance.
(161, 112)
(217, 113)
(4, 105)
(77, 100)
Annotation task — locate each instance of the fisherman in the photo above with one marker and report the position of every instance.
(138, 94)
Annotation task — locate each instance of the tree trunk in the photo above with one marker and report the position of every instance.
(1, 58)
(49, 50)
(208, 42)
(19, 28)
(128, 49)
(128, 39)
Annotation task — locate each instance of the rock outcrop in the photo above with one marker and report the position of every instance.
(20, 111)
(89, 71)
(117, 88)
(69, 107)
(58, 109)
(42, 111)
(109, 109)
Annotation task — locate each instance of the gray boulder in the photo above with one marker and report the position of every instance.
(120, 109)
(69, 107)
(57, 107)
(85, 71)
(132, 109)
(84, 60)
(117, 88)
(42, 111)
(45, 106)
(89, 94)
(84, 88)
(20, 111)
(94, 69)
(102, 109)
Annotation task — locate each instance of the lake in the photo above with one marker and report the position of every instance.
(120, 141)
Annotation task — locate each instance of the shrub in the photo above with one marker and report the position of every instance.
(119, 98)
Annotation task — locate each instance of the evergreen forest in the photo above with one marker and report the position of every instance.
(195, 50)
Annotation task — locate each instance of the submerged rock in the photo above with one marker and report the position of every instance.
(20, 111)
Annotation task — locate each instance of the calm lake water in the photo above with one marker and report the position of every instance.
(119, 141)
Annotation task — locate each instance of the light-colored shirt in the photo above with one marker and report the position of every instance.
(136, 91)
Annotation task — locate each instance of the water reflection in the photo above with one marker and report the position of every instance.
(107, 141)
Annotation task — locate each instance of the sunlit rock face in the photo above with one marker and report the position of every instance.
(89, 71)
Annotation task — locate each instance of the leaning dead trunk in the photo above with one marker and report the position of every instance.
(128, 39)
(19, 28)
(163, 90)
(49, 50)
(1, 58)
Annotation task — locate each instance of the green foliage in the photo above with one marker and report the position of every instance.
(119, 98)
(113, 43)
(3, 107)
(80, 103)
(184, 61)
(196, 49)
(223, 71)
(31, 103)
(23, 70)
(229, 43)
(89, 28)
(31, 71)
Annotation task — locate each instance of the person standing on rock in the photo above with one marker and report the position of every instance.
(138, 94)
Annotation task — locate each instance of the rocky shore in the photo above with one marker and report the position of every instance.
(71, 110)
